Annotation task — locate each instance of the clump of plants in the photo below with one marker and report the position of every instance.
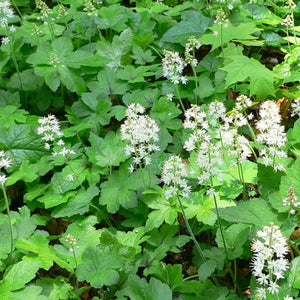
(149, 150)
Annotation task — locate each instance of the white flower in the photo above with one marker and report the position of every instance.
(2, 179)
(291, 201)
(272, 135)
(269, 264)
(288, 21)
(173, 66)
(174, 175)
(142, 133)
(5, 162)
(296, 107)
(170, 96)
(70, 177)
(5, 40)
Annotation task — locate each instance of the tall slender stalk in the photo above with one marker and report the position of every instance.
(9, 222)
(179, 98)
(198, 247)
(218, 217)
(17, 9)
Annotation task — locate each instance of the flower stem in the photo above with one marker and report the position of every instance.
(200, 251)
(178, 95)
(10, 223)
(218, 217)
(17, 9)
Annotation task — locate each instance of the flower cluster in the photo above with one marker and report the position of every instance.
(90, 8)
(271, 135)
(215, 138)
(46, 12)
(296, 107)
(269, 264)
(6, 13)
(221, 18)
(142, 133)
(189, 53)
(288, 21)
(174, 173)
(72, 241)
(173, 66)
(5, 162)
(291, 200)
(50, 130)
(290, 4)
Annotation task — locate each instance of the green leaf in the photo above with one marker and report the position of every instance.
(30, 81)
(55, 289)
(164, 211)
(291, 179)
(108, 83)
(170, 274)
(265, 185)
(108, 151)
(29, 292)
(21, 144)
(121, 188)
(17, 277)
(113, 16)
(77, 205)
(193, 23)
(240, 68)
(165, 239)
(11, 114)
(205, 87)
(137, 288)
(86, 236)
(202, 207)
(92, 110)
(133, 75)
(83, 58)
(165, 113)
(7, 98)
(115, 51)
(27, 172)
(242, 33)
(40, 251)
(52, 200)
(71, 80)
(294, 273)
(99, 268)
(206, 269)
(140, 56)
(235, 237)
(50, 75)
(257, 212)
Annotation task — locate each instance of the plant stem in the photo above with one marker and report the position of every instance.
(218, 217)
(241, 175)
(200, 251)
(103, 216)
(17, 9)
(190, 231)
(16, 66)
(178, 95)
(76, 265)
(222, 42)
(10, 223)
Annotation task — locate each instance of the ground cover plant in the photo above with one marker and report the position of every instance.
(149, 149)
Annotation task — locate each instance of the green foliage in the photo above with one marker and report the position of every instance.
(81, 219)
(240, 68)
(16, 278)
